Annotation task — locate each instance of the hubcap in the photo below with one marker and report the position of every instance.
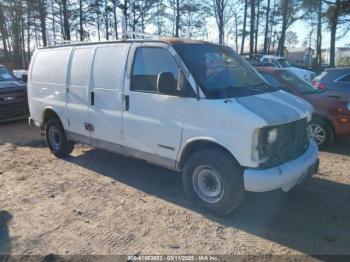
(207, 183)
(316, 132)
(55, 138)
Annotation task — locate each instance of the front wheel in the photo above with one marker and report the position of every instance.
(56, 138)
(321, 132)
(214, 180)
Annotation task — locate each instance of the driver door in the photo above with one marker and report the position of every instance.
(152, 121)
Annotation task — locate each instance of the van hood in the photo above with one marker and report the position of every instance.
(277, 107)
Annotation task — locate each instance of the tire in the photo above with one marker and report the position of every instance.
(214, 180)
(56, 138)
(321, 131)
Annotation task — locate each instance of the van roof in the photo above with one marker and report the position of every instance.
(167, 40)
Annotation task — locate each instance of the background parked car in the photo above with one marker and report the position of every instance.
(13, 96)
(281, 62)
(332, 110)
(336, 79)
(21, 74)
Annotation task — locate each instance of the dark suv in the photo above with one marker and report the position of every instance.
(13, 97)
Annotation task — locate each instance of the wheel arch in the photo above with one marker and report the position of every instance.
(48, 112)
(328, 121)
(196, 144)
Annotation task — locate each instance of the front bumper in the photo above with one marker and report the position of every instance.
(33, 123)
(284, 176)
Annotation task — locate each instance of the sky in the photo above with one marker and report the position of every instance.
(300, 27)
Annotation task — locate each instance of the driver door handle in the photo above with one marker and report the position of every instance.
(127, 102)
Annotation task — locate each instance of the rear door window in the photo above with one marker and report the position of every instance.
(107, 67)
(50, 66)
(80, 66)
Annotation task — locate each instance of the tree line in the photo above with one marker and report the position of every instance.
(256, 24)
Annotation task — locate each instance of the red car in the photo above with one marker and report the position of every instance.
(332, 109)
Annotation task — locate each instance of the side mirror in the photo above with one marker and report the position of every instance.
(24, 78)
(166, 83)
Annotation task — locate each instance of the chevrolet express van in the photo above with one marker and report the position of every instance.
(190, 106)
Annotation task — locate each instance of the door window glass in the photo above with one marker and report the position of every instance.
(148, 63)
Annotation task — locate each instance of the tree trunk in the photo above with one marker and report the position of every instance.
(3, 32)
(115, 19)
(16, 34)
(42, 18)
(81, 18)
(271, 29)
(244, 25)
(236, 31)
(28, 31)
(319, 34)
(252, 26)
(125, 13)
(334, 24)
(280, 49)
(266, 26)
(257, 28)
(66, 26)
(53, 21)
(177, 18)
(23, 50)
(106, 20)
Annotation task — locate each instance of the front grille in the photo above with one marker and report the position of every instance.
(13, 104)
(292, 141)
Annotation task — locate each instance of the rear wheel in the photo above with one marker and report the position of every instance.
(214, 181)
(56, 138)
(321, 131)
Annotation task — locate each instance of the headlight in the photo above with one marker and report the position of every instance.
(348, 106)
(272, 136)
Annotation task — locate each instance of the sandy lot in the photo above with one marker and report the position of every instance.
(96, 202)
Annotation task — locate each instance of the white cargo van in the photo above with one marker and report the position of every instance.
(190, 106)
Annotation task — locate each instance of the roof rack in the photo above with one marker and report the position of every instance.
(126, 35)
(139, 35)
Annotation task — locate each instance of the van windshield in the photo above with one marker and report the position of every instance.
(220, 72)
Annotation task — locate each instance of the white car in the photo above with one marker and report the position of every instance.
(281, 62)
(21, 74)
(190, 106)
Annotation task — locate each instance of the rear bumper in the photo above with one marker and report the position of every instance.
(284, 176)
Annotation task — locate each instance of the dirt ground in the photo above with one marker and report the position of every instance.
(96, 202)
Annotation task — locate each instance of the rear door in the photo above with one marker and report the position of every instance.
(77, 101)
(106, 100)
